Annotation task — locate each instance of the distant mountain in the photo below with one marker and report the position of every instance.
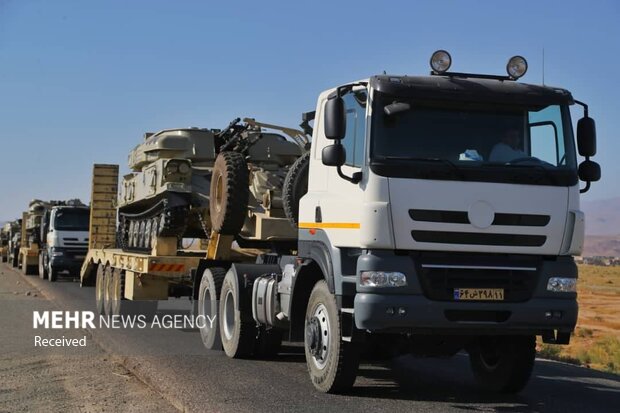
(602, 217)
(601, 246)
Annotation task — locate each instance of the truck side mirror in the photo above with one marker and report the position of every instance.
(586, 137)
(333, 155)
(335, 118)
(589, 171)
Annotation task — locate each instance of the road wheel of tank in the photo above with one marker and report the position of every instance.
(130, 234)
(108, 292)
(154, 232)
(147, 233)
(237, 326)
(503, 363)
(208, 296)
(295, 186)
(332, 362)
(141, 234)
(42, 267)
(100, 289)
(229, 193)
(52, 273)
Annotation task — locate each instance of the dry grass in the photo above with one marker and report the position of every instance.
(596, 342)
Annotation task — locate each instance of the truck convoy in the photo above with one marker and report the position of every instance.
(4, 242)
(14, 242)
(434, 214)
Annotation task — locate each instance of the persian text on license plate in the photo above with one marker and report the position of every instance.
(479, 294)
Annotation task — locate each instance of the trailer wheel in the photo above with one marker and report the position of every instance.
(42, 267)
(229, 193)
(503, 363)
(100, 290)
(332, 362)
(208, 295)
(295, 186)
(237, 326)
(107, 292)
(52, 274)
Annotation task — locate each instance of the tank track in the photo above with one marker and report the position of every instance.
(137, 232)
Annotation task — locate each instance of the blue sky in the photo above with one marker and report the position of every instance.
(81, 81)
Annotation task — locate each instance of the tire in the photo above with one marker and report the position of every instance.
(229, 193)
(52, 274)
(295, 186)
(42, 267)
(107, 292)
(503, 364)
(117, 287)
(208, 296)
(333, 365)
(237, 326)
(15, 260)
(100, 290)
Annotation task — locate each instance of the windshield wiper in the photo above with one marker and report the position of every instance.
(448, 162)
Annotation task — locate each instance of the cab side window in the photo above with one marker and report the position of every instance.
(353, 142)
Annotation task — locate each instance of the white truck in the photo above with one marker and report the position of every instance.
(64, 238)
(441, 215)
(437, 214)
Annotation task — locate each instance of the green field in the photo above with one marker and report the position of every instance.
(596, 342)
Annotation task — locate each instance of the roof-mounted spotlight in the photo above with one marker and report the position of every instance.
(516, 67)
(441, 61)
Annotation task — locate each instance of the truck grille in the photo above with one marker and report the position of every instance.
(476, 238)
(439, 279)
(460, 217)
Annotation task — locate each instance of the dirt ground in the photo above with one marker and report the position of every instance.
(53, 380)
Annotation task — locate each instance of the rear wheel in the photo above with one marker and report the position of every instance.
(503, 363)
(237, 326)
(107, 291)
(332, 362)
(208, 295)
(100, 290)
(42, 267)
(28, 269)
(229, 193)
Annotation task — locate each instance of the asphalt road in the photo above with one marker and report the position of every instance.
(176, 365)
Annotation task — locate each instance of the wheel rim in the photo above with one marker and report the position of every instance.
(318, 336)
(153, 232)
(229, 315)
(99, 287)
(206, 308)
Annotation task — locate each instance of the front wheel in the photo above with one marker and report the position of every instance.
(503, 363)
(332, 362)
(42, 267)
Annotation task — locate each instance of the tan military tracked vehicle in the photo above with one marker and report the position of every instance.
(187, 182)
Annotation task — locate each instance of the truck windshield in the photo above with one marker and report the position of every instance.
(71, 220)
(468, 139)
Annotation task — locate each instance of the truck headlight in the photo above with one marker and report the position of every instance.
(562, 285)
(184, 168)
(382, 279)
(171, 168)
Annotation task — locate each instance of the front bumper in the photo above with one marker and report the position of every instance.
(382, 312)
(71, 260)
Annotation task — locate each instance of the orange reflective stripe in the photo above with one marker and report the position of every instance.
(335, 225)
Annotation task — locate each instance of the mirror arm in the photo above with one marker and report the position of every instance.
(585, 108)
(356, 178)
(587, 187)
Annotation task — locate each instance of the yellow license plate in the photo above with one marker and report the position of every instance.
(479, 294)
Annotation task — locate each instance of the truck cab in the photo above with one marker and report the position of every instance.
(442, 213)
(64, 231)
